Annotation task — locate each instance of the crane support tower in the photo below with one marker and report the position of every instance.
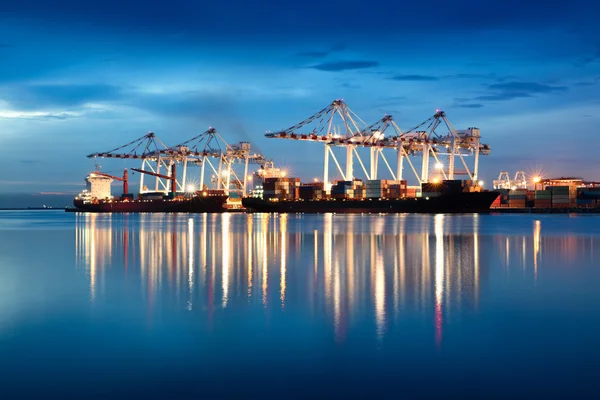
(210, 149)
(503, 181)
(426, 139)
(145, 148)
(229, 163)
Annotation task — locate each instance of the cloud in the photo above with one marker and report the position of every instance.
(348, 85)
(27, 97)
(335, 66)
(313, 54)
(470, 105)
(60, 115)
(527, 87)
(502, 96)
(322, 53)
(589, 58)
(588, 83)
(414, 78)
(517, 89)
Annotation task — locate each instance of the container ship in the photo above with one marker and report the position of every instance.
(97, 197)
(380, 196)
(564, 194)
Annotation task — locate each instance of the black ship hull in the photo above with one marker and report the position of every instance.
(468, 202)
(196, 204)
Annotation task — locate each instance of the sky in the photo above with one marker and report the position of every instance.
(82, 77)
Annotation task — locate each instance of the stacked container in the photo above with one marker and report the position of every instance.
(517, 198)
(560, 196)
(542, 199)
(375, 189)
(348, 190)
(396, 189)
(281, 188)
(588, 197)
(381, 188)
(311, 190)
(413, 191)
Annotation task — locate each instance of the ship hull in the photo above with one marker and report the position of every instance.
(475, 202)
(197, 204)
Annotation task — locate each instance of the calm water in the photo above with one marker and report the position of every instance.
(282, 305)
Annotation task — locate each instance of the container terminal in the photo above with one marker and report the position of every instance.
(537, 194)
(217, 176)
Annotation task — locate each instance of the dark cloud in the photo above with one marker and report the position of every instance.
(527, 87)
(185, 104)
(589, 58)
(469, 105)
(313, 54)
(588, 83)
(335, 66)
(414, 78)
(515, 90)
(503, 96)
(309, 17)
(349, 85)
(26, 97)
(323, 53)
(425, 78)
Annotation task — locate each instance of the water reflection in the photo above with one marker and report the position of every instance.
(360, 272)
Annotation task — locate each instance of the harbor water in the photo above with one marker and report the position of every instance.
(290, 305)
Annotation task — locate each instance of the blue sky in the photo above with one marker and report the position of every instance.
(79, 77)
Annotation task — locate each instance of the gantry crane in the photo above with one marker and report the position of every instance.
(198, 150)
(208, 145)
(520, 181)
(331, 126)
(503, 181)
(452, 143)
(412, 142)
(146, 148)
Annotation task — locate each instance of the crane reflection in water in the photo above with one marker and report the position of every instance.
(352, 272)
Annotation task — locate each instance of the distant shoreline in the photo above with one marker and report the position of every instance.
(31, 208)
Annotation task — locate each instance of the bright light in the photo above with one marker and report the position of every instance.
(480, 183)
(537, 179)
(436, 180)
(439, 165)
(316, 180)
(514, 188)
(190, 188)
(225, 173)
(204, 193)
(249, 178)
(282, 174)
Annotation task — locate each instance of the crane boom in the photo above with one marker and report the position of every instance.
(172, 178)
(153, 174)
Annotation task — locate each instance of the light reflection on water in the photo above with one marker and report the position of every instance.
(429, 303)
(381, 269)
